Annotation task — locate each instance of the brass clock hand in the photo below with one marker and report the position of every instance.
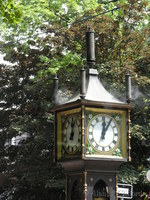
(72, 130)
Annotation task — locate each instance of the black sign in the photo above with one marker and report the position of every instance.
(125, 191)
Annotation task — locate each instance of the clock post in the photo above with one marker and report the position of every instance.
(92, 135)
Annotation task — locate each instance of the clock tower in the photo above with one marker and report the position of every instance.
(92, 134)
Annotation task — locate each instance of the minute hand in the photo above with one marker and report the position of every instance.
(108, 125)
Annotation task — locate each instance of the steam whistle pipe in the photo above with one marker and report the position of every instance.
(128, 87)
(82, 83)
(90, 46)
(55, 90)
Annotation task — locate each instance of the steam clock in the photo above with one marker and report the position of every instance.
(92, 136)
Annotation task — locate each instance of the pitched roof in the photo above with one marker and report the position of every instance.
(95, 90)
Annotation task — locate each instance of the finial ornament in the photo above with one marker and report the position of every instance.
(82, 83)
(128, 87)
(55, 91)
(90, 45)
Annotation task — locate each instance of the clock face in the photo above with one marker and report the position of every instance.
(72, 134)
(103, 133)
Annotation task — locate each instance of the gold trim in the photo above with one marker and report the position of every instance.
(102, 110)
(105, 156)
(124, 134)
(85, 185)
(83, 132)
(116, 187)
(69, 112)
(129, 136)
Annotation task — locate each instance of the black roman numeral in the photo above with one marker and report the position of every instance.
(97, 120)
(92, 140)
(92, 125)
(114, 142)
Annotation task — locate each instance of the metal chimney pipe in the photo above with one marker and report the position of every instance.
(128, 87)
(82, 83)
(55, 90)
(90, 45)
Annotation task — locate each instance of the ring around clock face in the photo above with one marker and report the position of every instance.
(103, 133)
(72, 134)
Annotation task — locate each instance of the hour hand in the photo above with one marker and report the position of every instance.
(104, 129)
(103, 135)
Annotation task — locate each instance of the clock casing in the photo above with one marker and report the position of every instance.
(68, 137)
(106, 133)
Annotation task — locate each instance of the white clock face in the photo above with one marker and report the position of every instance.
(72, 134)
(103, 133)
